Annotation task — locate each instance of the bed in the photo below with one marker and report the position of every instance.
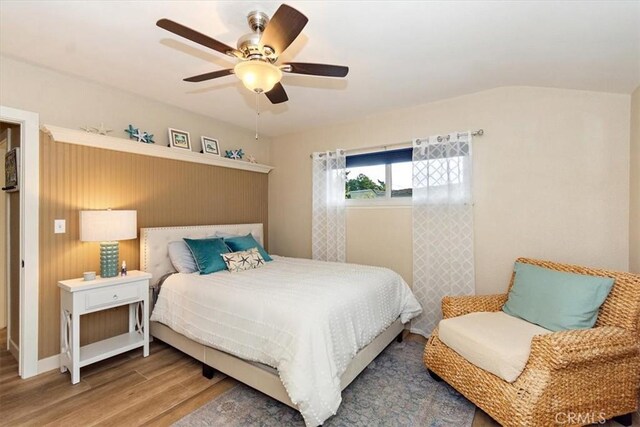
(297, 330)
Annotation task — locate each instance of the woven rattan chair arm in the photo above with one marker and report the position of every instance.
(562, 349)
(461, 305)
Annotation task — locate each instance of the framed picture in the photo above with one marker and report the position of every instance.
(179, 139)
(210, 146)
(11, 172)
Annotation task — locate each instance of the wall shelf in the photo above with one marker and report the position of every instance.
(80, 137)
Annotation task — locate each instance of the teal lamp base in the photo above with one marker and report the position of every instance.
(109, 255)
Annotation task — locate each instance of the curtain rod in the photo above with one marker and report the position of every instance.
(441, 138)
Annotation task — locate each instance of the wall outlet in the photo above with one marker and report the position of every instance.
(59, 226)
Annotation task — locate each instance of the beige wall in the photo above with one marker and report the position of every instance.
(634, 190)
(72, 102)
(551, 180)
(381, 236)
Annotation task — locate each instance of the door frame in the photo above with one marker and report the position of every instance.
(29, 231)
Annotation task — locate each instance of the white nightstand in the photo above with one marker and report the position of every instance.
(78, 297)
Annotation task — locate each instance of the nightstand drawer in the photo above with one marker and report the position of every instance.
(115, 295)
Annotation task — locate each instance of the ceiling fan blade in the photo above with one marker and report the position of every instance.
(209, 76)
(277, 95)
(194, 36)
(315, 69)
(283, 28)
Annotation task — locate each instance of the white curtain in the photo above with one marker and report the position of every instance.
(328, 223)
(442, 224)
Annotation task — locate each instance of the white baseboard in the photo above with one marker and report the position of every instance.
(48, 364)
(44, 365)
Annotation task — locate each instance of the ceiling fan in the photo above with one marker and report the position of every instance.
(258, 52)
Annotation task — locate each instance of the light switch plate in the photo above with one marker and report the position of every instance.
(59, 226)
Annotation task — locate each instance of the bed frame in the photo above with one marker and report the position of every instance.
(154, 259)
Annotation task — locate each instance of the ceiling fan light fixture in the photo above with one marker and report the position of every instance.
(258, 76)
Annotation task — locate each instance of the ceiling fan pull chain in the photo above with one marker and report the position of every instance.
(257, 113)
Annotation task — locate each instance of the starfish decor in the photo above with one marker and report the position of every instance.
(140, 136)
(100, 130)
(131, 131)
(234, 154)
(135, 133)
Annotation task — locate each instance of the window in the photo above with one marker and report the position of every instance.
(380, 175)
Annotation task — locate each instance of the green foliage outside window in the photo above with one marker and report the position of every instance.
(361, 184)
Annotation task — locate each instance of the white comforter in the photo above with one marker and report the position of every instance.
(305, 318)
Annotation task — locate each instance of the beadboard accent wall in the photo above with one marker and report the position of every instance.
(165, 192)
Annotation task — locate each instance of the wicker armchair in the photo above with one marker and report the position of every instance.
(572, 377)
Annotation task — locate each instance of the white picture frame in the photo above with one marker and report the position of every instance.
(179, 139)
(210, 145)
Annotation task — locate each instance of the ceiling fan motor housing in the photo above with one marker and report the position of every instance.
(257, 21)
(249, 44)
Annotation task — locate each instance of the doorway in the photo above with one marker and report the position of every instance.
(23, 207)
(10, 245)
(4, 299)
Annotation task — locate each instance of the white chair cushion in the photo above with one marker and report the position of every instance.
(495, 342)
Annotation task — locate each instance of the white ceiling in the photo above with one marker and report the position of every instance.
(400, 53)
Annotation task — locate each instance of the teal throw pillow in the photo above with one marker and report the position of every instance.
(207, 254)
(556, 300)
(244, 243)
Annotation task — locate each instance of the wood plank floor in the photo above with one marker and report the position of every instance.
(125, 390)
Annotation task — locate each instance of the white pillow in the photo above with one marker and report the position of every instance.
(181, 257)
(243, 260)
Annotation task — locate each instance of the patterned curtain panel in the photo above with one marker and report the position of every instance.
(328, 222)
(442, 224)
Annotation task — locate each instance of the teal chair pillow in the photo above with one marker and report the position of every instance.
(556, 300)
(243, 243)
(207, 254)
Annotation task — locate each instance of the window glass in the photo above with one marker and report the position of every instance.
(401, 179)
(366, 182)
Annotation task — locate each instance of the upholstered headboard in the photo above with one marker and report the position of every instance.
(154, 255)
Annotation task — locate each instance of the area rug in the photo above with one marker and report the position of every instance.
(394, 390)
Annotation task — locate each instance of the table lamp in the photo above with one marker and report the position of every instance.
(108, 227)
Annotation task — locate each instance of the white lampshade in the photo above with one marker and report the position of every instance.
(108, 225)
(258, 76)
